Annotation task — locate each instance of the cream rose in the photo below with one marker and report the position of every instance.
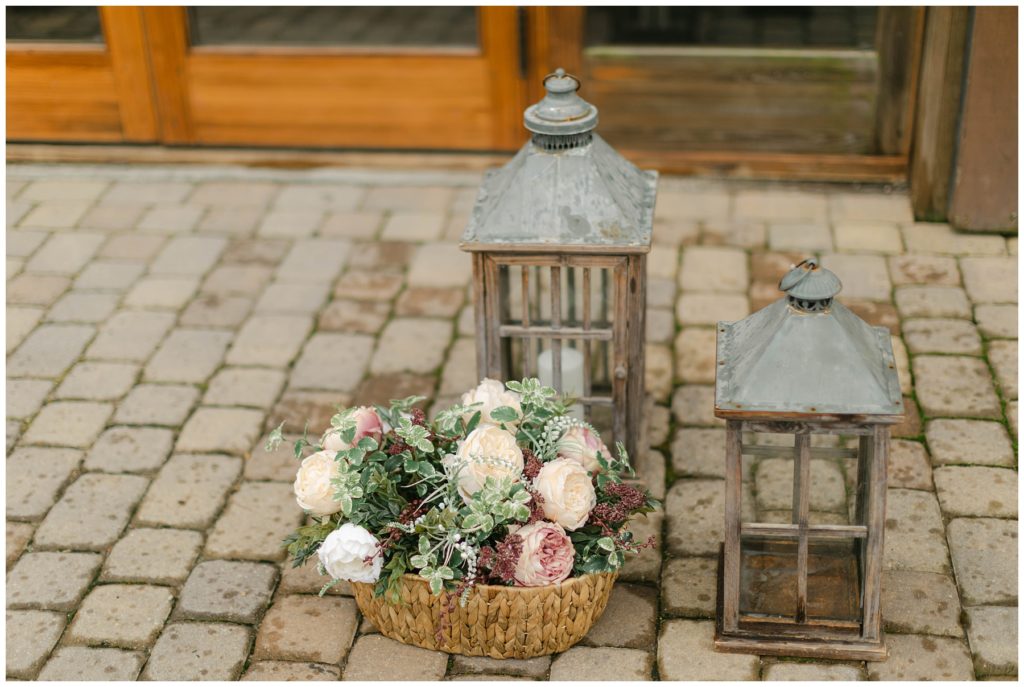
(345, 551)
(491, 394)
(581, 444)
(368, 424)
(547, 555)
(567, 491)
(313, 490)
(488, 451)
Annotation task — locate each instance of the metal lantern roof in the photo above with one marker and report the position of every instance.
(566, 189)
(806, 356)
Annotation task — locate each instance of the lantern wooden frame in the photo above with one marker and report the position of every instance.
(853, 576)
(497, 326)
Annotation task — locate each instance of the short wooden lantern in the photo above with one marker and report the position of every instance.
(805, 366)
(560, 237)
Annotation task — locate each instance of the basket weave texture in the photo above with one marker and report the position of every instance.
(497, 621)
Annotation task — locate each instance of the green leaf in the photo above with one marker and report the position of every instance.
(436, 585)
(606, 543)
(504, 414)
(473, 422)
(275, 438)
(424, 545)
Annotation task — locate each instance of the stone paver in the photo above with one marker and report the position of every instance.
(213, 430)
(51, 580)
(308, 628)
(130, 449)
(920, 657)
(920, 602)
(914, 537)
(49, 351)
(984, 554)
(257, 518)
(30, 637)
(955, 386)
(977, 491)
(156, 556)
(992, 631)
(74, 663)
(292, 671)
(123, 615)
(189, 491)
(92, 512)
(35, 477)
(604, 664)
(969, 442)
(686, 652)
(157, 404)
(198, 651)
(272, 295)
(227, 590)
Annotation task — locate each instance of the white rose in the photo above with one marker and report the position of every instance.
(491, 394)
(581, 444)
(567, 491)
(344, 552)
(488, 451)
(313, 489)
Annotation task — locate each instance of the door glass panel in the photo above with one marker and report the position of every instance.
(409, 26)
(65, 24)
(746, 79)
(782, 27)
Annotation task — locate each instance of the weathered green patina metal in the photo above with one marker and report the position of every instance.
(566, 188)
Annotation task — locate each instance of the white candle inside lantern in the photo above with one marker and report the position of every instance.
(572, 375)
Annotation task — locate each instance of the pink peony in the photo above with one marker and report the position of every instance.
(367, 425)
(581, 444)
(547, 555)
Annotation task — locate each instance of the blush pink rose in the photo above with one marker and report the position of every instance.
(368, 424)
(581, 444)
(547, 555)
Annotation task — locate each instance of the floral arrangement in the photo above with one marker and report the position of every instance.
(504, 488)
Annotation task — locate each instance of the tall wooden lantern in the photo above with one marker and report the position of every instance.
(805, 366)
(559, 238)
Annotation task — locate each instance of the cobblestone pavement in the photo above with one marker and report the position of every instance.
(160, 320)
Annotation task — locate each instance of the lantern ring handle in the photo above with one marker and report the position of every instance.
(561, 74)
(796, 275)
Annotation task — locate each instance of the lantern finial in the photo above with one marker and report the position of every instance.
(561, 112)
(810, 287)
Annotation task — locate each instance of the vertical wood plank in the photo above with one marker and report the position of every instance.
(801, 512)
(493, 319)
(527, 343)
(556, 322)
(874, 545)
(733, 509)
(636, 320)
(555, 39)
(620, 362)
(984, 194)
(499, 37)
(124, 33)
(586, 343)
(937, 112)
(898, 43)
(167, 35)
(480, 315)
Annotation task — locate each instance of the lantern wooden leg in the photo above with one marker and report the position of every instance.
(733, 510)
(801, 513)
(875, 512)
(636, 316)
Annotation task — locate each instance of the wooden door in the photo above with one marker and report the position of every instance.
(797, 92)
(89, 82)
(264, 86)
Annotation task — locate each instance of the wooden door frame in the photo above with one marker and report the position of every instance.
(175, 61)
(113, 76)
(556, 38)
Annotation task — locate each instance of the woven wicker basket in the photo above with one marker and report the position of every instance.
(500, 622)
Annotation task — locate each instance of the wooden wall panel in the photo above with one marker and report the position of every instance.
(61, 94)
(984, 196)
(937, 111)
